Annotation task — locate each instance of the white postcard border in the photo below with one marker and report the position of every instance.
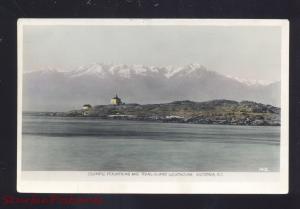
(239, 183)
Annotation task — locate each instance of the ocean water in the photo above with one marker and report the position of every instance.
(85, 144)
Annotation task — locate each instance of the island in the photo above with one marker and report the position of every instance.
(222, 112)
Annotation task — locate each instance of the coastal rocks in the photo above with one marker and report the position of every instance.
(221, 112)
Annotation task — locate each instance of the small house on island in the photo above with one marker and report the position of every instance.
(86, 107)
(116, 100)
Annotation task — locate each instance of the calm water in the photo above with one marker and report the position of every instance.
(51, 143)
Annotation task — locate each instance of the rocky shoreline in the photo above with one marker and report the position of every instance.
(221, 112)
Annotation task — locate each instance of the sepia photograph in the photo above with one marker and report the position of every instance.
(153, 106)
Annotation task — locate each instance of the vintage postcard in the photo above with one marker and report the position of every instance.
(153, 106)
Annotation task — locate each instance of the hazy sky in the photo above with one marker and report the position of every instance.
(251, 52)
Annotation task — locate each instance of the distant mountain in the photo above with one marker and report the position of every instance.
(58, 90)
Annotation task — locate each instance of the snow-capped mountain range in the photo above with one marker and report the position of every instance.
(56, 89)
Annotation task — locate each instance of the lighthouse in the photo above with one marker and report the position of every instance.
(116, 100)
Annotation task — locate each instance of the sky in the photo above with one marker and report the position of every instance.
(250, 52)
